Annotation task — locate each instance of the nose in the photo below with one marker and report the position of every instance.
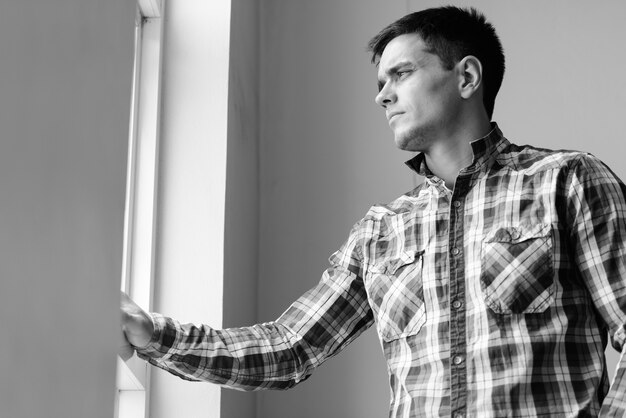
(385, 96)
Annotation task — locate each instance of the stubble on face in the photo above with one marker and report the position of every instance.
(415, 139)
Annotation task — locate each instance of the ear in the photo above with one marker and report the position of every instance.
(471, 72)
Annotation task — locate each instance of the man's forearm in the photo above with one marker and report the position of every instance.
(264, 356)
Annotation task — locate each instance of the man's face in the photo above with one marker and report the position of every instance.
(420, 96)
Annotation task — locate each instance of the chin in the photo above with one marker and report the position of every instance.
(414, 140)
(411, 144)
(404, 146)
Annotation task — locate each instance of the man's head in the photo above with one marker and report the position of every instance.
(452, 33)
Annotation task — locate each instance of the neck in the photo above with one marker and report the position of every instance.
(452, 153)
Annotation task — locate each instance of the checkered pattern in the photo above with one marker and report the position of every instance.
(491, 300)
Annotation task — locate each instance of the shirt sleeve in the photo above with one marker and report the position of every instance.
(278, 354)
(596, 211)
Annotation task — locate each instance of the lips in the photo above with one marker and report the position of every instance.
(391, 115)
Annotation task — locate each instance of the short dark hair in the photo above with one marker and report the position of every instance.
(452, 33)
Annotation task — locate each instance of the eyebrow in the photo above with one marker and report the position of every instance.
(393, 70)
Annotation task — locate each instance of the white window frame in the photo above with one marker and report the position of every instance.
(133, 375)
(181, 155)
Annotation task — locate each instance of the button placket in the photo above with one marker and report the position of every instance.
(458, 377)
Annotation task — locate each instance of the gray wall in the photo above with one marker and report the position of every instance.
(65, 83)
(241, 234)
(326, 153)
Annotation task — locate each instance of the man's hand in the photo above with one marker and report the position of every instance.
(124, 350)
(136, 324)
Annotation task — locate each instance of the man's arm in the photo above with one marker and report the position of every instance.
(273, 355)
(596, 217)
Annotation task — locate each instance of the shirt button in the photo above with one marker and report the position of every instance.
(456, 304)
(457, 204)
(456, 251)
(515, 234)
(457, 360)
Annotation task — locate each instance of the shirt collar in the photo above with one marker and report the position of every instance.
(485, 149)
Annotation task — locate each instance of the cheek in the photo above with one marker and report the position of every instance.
(444, 99)
(433, 96)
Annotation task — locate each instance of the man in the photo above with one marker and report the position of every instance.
(492, 285)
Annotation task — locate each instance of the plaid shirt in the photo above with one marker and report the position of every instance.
(490, 300)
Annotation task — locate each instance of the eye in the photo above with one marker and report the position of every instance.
(403, 73)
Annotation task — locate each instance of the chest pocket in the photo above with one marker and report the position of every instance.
(517, 272)
(397, 295)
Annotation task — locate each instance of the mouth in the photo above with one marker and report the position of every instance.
(392, 115)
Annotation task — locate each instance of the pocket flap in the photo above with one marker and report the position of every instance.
(391, 264)
(518, 233)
